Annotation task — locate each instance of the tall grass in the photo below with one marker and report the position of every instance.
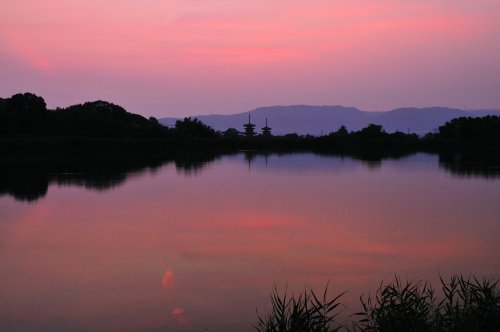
(398, 307)
(305, 312)
(464, 304)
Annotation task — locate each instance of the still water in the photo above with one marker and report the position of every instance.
(186, 246)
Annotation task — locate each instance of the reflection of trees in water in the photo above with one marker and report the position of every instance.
(30, 184)
(27, 187)
(372, 159)
(193, 164)
(29, 181)
(458, 164)
(92, 181)
(190, 169)
(468, 165)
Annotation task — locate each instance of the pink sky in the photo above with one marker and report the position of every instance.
(186, 57)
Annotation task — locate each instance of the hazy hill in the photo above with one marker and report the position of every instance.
(304, 119)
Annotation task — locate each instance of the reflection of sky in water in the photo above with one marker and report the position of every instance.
(175, 252)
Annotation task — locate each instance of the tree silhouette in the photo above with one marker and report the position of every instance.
(23, 113)
(26, 103)
(231, 132)
(372, 131)
(27, 114)
(341, 132)
(471, 128)
(193, 128)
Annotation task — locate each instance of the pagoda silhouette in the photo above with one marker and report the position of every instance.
(249, 128)
(266, 131)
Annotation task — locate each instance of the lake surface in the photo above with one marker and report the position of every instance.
(198, 246)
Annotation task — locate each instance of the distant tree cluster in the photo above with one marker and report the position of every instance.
(190, 128)
(27, 114)
(23, 114)
(487, 127)
(372, 131)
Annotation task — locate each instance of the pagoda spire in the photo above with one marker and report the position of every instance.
(266, 131)
(249, 128)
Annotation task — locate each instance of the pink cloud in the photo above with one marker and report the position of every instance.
(241, 55)
(266, 50)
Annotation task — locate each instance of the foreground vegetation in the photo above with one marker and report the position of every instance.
(466, 304)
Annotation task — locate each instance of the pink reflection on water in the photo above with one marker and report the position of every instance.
(168, 279)
(230, 236)
(179, 317)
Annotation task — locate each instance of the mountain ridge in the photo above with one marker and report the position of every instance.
(323, 119)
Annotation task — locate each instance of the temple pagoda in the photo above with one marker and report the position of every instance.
(266, 131)
(249, 128)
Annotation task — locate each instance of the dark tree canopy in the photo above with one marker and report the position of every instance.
(341, 132)
(27, 114)
(26, 103)
(471, 128)
(231, 132)
(23, 113)
(189, 127)
(372, 131)
(101, 118)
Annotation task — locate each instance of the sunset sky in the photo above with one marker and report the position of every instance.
(187, 57)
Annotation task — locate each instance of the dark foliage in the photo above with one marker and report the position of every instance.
(231, 132)
(27, 114)
(26, 103)
(102, 119)
(487, 127)
(341, 132)
(467, 304)
(189, 128)
(372, 131)
(23, 113)
(302, 313)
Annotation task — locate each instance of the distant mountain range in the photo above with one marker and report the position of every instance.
(315, 120)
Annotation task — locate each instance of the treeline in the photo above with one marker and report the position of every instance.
(26, 115)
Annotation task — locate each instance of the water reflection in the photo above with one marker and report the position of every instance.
(193, 164)
(29, 181)
(200, 250)
(23, 185)
(469, 165)
(328, 161)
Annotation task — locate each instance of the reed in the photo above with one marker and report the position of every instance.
(305, 312)
(464, 304)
